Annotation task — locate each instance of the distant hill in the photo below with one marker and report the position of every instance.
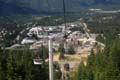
(53, 6)
(10, 8)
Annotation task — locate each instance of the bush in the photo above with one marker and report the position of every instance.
(71, 50)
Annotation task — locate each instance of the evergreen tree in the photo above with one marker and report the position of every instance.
(102, 65)
(61, 51)
(18, 65)
(71, 50)
(43, 52)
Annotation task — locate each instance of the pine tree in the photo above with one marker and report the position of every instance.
(71, 50)
(61, 51)
(103, 65)
(43, 53)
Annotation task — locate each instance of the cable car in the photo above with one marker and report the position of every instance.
(37, 61)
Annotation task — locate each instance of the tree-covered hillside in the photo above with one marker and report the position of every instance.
(18, 65)
(107, 25)
(102, 65)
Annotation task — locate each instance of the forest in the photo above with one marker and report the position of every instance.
(18, 65)
(103, 65)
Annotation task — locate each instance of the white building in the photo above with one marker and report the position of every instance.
(28, 41)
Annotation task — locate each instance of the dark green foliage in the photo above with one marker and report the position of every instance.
(84, 73)
(57, 71)
(18, 65)
(108, 27)
(100, 38)
(71, 50)
(43, 52)
(103, 65)
(61, 51)
(41, 72)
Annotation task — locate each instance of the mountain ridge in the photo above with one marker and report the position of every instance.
(53, 6)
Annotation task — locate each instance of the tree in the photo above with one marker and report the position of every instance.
(103, 65)
(61, 51)
(43, 52)
(71, 50)
(18, 65)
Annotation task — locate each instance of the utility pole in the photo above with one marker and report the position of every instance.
(50, 59)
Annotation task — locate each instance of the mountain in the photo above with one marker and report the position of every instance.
(53, 6)
(10, 8)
